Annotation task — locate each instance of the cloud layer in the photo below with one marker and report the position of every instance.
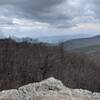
(48, 14)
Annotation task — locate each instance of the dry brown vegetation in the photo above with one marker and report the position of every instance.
(22, 63)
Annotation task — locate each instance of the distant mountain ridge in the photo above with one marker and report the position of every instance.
(62, 38)
(49, 39)
(83, 42)
(89, 46)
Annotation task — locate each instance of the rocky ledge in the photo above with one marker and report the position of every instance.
(49, 89)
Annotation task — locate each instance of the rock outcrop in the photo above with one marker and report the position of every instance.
(50, 89)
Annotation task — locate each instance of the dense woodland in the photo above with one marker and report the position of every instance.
(22, 63)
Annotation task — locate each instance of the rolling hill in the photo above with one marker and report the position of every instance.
(83, 42)
(61, 38)
(88, 46)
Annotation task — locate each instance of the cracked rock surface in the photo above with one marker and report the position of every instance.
(49, 89)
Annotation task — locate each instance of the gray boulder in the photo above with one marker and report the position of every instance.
(49, 89)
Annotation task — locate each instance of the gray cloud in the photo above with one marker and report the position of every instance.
(33, 9)
(57, 13)
(96, 7)
(32, 6)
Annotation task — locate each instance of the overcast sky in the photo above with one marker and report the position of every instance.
(49, 17)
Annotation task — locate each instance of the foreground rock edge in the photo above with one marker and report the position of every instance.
(49, 89)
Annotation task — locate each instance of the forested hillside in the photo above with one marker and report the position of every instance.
(22, 63)
(81, 43)
(88, 46)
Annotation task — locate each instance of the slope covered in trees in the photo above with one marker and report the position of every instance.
(89, 46)
(22, 63)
